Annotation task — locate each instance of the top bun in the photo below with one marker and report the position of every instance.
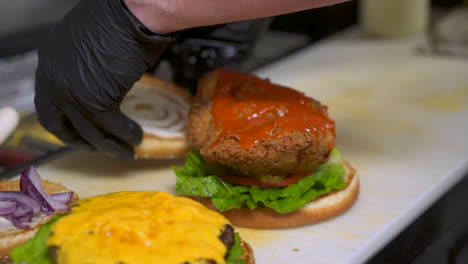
(161, 109)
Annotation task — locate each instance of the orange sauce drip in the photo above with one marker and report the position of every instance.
(252, 110)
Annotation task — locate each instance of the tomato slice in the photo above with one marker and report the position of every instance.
(292, 179)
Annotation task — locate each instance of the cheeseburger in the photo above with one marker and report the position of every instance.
(266, 155)
(136, 227)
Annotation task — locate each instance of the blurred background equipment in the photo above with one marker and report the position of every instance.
(394, 18)
(200, 50)
(24, 22)
(449, 36)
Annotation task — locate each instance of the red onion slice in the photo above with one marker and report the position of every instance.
(21, 207)
(7, 207)
(64, 197)
(21, 199)
(26, 208)
(22, 211)
(16, 222)
(30, 184)
(26, 218)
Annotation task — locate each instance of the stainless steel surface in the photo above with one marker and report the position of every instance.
(19, 15)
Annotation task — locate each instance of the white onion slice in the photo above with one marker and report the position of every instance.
(157, 111)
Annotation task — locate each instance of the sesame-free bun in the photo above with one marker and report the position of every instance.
(248, 253)
(11, 237)
(161, 109)
(320, 209)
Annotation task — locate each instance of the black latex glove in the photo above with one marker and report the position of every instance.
(86, 66)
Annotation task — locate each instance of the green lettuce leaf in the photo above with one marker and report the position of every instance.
(35, 250)
(235, 252)
(194, 180)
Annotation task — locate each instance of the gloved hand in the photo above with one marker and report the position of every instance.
(86, 66)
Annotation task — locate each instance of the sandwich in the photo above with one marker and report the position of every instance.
(161, 109)
(136, 227)
(26, 205)
(265, 154)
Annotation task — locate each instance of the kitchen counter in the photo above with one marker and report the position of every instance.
(402, 122)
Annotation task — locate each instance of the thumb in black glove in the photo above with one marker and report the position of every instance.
(86, 66)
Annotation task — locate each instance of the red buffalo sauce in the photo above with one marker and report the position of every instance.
(251, 110)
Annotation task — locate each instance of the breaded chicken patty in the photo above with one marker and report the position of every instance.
(257, 128)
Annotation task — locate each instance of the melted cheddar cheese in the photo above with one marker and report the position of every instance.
(139, 227)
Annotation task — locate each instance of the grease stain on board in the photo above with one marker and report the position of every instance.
(348, 235)
(259, 237)
(373, 220)
(450, 100)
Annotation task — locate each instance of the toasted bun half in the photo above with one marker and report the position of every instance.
(161, 109)
(11, 237)
(248, 253)
(320, 209)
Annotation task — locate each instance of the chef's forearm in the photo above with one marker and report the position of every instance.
(164, 16)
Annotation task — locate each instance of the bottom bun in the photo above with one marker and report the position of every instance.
(13, 237)
(248, 253)
(154, 147)
(320, 209)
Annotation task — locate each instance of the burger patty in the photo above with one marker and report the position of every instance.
(293, 151)
(227, 236)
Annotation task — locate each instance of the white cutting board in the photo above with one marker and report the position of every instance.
(402, 122)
